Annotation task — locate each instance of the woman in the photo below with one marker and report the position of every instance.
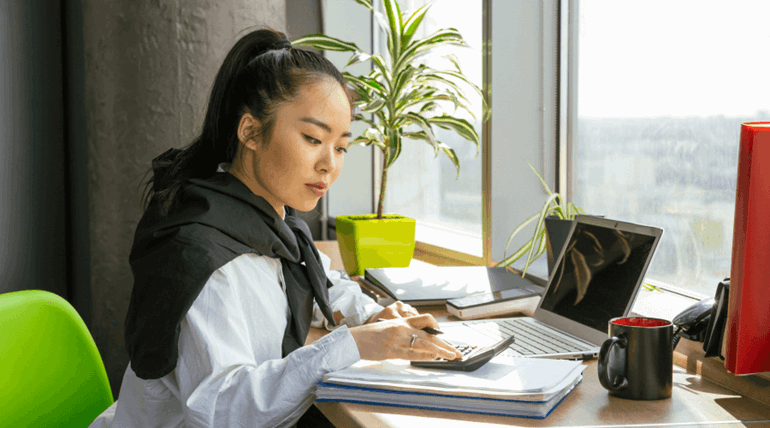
(227, 280)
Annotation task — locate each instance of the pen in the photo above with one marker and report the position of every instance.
(429, 330)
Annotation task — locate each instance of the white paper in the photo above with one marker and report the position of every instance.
(501, 375)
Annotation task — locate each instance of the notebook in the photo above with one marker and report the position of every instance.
(423, 284)
(596, 278)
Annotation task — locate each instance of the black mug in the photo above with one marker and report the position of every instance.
(642, 363)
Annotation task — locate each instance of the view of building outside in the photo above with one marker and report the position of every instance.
(426, 187)
(663, 89)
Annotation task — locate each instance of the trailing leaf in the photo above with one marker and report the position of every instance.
(325, 43)
(413, 118)
(461, 126)
(421, 135)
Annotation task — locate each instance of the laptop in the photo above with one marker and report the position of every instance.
(596, 277)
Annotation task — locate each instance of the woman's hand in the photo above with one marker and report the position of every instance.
(394, 339)
(393, 311)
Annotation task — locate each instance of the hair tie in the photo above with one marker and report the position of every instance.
(281, 44)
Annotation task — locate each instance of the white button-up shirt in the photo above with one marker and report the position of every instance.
(230, 372)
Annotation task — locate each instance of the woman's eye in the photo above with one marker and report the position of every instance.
(342, 150)
(312, 140)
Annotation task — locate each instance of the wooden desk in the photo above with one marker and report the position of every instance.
(695, 402)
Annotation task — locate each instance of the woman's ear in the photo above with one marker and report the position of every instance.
(247, 129)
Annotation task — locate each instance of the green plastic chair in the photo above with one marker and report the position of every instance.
(51, 373)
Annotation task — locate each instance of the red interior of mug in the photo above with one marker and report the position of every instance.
(641, 322)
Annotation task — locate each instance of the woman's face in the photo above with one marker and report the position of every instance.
(304, 154)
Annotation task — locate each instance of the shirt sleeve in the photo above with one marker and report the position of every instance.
(345, 296)
(230, 371)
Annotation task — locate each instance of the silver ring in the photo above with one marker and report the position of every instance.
(411, 344)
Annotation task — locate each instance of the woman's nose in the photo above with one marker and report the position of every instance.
(327, 163)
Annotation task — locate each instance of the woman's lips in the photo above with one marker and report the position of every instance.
(317, 188)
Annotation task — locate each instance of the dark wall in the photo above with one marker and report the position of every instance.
(90, 92)
(33, 202)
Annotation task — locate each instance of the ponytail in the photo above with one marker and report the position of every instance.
(260, 72)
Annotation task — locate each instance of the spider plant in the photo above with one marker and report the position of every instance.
(555, 205)
(401, 92)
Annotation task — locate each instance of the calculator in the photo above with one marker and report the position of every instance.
(473, 357)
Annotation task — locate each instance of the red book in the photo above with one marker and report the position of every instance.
(747, 335)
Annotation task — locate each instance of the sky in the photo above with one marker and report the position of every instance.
(673, 58)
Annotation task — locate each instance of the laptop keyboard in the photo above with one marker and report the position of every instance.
(532, 338)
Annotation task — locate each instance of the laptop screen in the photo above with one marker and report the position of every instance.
(597, 277)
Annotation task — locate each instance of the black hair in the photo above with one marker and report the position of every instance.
(260, 72)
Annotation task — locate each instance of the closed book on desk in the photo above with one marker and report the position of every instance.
(747, 341)
(423, 284)
(525, 387)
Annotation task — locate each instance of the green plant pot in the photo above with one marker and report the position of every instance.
(366, 242)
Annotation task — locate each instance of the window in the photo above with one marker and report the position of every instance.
(662, 90)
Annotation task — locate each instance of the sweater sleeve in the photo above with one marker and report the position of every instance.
(230, 371)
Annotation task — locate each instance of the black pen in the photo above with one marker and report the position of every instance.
(429, 330)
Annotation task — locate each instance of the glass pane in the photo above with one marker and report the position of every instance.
(426, 187)
(663, 88)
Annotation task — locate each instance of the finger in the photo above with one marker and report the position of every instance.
(422, 321)
(427, 348)
(415, 354)
(390, 312)
(444, 349)
(406, 309)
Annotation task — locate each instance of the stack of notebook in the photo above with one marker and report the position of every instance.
(524, 387)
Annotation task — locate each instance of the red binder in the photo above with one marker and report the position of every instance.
(747, 336)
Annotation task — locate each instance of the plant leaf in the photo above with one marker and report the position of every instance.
(510, 238)
(364, 84)
(375, 105)
(366, 3)
(395, 24)
(453, 59)
(539, 229)
(517, 255)
(485, 110)
(362, 118)
(357, 58)
(448, 36)
(453, 86)
(414, 21)
(393, 147)
(421, 135)
(325, 43)
(428, 107)
(425, 125)
(461, 126)
(545, 186)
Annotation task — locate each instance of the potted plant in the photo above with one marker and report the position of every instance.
(400, 93)
(552, 226)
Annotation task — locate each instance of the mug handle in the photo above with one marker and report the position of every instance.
(620, 382)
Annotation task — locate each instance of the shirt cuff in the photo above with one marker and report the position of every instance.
(340, 349)
(363, 313)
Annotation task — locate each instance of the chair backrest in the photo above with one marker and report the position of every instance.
(51, 373)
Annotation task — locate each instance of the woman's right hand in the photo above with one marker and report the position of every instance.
(392, 339)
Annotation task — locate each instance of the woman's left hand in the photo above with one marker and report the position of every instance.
(396, 310)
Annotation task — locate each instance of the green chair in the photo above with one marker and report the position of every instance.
(51, 374)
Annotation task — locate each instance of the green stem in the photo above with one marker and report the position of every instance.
(383, 185)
